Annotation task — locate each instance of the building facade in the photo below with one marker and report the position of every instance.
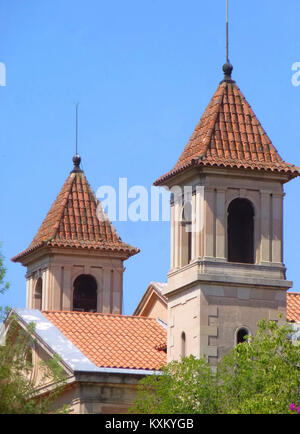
(226, 269)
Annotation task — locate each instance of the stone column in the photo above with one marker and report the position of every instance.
(209, 224)
(172, 237)
(56, 287)
(277, 214)
(194, 226)
(221, 225)
(27, 294)
(30, 293)
(265, 255)
(116, 291)
(177, 210)
(67, 290)
(107, 290)
(45, 290)
(98, 273)
(199, 221)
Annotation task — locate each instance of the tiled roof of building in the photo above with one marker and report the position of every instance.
(114, 341)
(229, 135)
(76, 219)
(293, 306)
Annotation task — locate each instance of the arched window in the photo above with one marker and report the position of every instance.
(241, 335)
(186, 238)
(240, 231)
(183, 345)
(38, 294)
(85, 294)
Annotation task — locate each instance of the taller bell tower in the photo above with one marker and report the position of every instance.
(227, 269)
(75, 261)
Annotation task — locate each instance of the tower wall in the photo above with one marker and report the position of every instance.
(59, 271)
(212, 194)
(210, 314)
(210, 298)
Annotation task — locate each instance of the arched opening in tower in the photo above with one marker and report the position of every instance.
(241, 336)
(240, 231)
(38, 294)
(85, 294)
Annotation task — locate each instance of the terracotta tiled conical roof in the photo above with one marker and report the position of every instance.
(76, 219)
(230, 135)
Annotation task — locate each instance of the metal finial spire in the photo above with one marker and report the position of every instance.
(76, 158)
(227, 68)
(227, 34)
(76, 141)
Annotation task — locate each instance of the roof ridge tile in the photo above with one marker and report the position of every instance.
(116, 315)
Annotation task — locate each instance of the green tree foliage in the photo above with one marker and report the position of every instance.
(260, 376)
(184, 387)
(3, 285)
(18, 391)
(17, 387)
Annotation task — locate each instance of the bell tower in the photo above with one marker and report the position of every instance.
(227, 269)
(75, 261)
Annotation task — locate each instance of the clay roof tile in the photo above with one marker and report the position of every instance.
(114, 341)
(293, 306)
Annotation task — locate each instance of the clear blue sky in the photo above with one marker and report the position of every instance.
(143, 72)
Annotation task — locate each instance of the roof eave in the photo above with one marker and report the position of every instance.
(46, 247)
(168, 178)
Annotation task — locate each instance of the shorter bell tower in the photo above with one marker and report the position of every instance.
(227, 269)
(75, 261)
